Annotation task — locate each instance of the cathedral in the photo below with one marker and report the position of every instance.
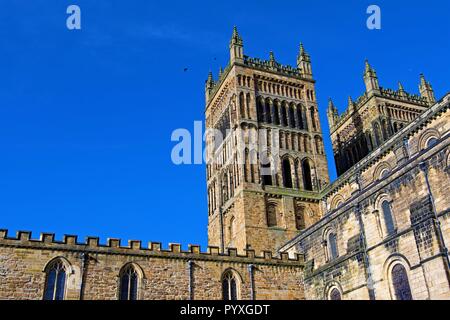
(278, 229)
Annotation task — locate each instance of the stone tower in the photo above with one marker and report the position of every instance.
(373, 118)
(266, 160)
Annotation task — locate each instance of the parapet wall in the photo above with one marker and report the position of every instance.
(23, 239)
(93, 270)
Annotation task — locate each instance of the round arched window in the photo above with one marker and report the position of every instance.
(431, 142)
(400, 283)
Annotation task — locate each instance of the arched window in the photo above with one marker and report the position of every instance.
(232, 227)
(332, 246)
(307, 180)
(267, 111)
(335, 294)
(388, 219)
(384, 174)
(431, 142)
(260, 110)
(55, 283)
(276, 114)
(247, 104)
(400, 283)
(291, 117)
(129, 278)
(313, 119)
(271, 215)
(241, 105)
(299, 117)
(229, 286)
(287, 176)
(378, 136)
(284, 121)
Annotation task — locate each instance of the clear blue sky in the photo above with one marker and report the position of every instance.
(86, 116)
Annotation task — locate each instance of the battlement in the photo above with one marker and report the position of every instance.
(113, 246)
(399, 95)
(403, 96)
(272, 66)
(256, 63)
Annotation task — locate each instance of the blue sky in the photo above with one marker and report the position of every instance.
(86, 116)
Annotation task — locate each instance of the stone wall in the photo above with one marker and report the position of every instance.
(367, 249)
(164, 274)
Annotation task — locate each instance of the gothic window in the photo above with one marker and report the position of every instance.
(247, 104)
(305, 122)
(332, 246)
(378, 136)
(300, 124)
(229, 286)
(129, 283)
(276, 115)
(313, 119)
(388, 219)
(291, 117)
(335, 294)
(56, 281)
(271, 215)
(400, 283)
(260, 110)
(267, 112)
(307, 179)
(297, 178)
(287, 175)
(284, 121)
(241, 104)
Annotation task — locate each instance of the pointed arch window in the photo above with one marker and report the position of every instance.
(129, 279)
(307, 179)
(284, 121)
(335, 294)
(287, 176)
(300, 122)
(400, 283)
(55, 283)
(291, 117)
(313, 119)
(229, 286)
(276, 114)
(241, 105)
(260, 110)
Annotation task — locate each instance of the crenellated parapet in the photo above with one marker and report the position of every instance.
(272, 65)
(302, 71)
(398, 95)
(113, 246)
